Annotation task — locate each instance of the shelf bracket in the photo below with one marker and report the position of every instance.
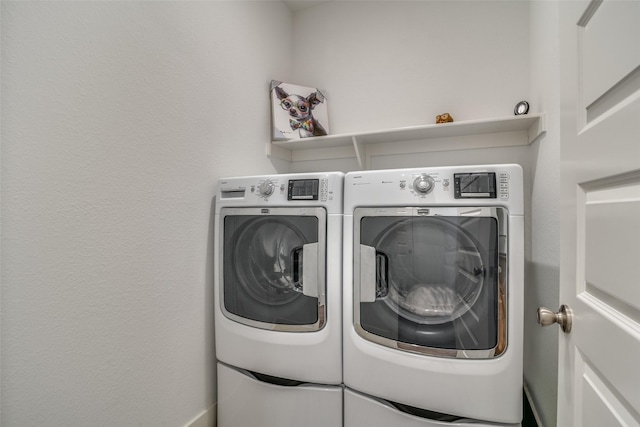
(537, 129)
(360, 151)
(276, 152)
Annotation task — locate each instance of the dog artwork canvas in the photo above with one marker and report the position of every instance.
(297, 111)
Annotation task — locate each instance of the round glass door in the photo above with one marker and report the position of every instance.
(265, 283)
(437, 272)
(267, 257)
(428, 282)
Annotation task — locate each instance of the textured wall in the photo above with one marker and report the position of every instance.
(117, 120)
(543, 268)
(387, 64)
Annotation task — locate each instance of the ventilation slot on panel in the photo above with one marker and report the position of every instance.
(423, 413)
(276, 380)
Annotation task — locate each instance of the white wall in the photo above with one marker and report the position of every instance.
(388, 64)
(543, 266)
(117, 120)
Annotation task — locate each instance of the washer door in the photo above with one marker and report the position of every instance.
(273, 267)
(428, 280)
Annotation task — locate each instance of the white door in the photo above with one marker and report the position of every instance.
(599, 372)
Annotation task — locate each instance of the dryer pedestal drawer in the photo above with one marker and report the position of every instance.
(365, 411)
(244, 401)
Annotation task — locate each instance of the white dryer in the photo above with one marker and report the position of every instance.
(277, 285)
(433, 297)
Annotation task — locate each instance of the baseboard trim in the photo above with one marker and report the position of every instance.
(529, 403)
(206, 418)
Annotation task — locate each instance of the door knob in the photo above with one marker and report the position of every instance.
(563, 317)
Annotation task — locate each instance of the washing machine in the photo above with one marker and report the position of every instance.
(277, 285)
(433, 296)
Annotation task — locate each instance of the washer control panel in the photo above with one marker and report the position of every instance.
(283, 190)
(291, 189)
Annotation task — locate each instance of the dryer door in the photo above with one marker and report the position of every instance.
(431, 280)
(273, 271)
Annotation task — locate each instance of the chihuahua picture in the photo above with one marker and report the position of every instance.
(299, 112)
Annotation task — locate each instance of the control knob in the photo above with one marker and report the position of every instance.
(423, 184)
(266, 188)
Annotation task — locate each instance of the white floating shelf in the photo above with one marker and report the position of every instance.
(485, 133)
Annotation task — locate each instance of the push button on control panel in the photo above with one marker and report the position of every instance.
(503, 179)
(324, 189)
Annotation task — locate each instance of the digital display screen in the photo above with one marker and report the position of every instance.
(303, 189)
(475, 185)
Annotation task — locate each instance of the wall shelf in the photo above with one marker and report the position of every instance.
(485, 133)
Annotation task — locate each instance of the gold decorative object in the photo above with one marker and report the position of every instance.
(444, 118)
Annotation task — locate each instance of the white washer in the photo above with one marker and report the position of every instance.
(278, 306)
(433, 298)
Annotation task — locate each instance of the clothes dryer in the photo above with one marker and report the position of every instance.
(277, 287)
(433, 296)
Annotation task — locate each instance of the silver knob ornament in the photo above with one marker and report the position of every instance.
(266, 188)
(564, 317)
(423, 184)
